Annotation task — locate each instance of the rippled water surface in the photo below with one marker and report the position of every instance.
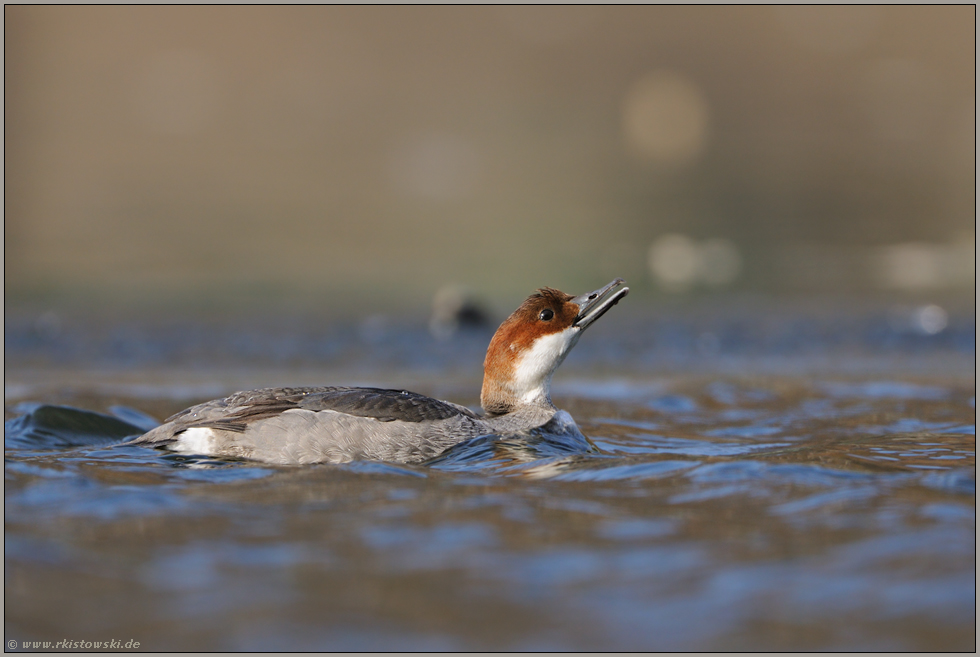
(765, 480)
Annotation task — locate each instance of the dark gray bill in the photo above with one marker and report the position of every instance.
(593, 305)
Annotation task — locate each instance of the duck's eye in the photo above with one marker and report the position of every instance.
(547, 314)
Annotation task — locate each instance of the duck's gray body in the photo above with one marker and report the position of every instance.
(336, 425)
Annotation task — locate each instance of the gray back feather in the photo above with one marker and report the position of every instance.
(236, 412)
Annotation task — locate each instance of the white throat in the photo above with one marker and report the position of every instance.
(534, 369)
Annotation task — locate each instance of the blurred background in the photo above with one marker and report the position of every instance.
(203, 199)
(363, 157)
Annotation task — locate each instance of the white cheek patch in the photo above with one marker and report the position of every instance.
(532, 375)
(197, 440)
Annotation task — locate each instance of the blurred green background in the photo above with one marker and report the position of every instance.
(359, 156)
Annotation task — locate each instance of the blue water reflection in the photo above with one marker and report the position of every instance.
(779, 493)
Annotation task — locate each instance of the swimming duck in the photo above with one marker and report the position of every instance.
(339, 424)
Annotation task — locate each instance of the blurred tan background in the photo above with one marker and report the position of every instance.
(161, 155)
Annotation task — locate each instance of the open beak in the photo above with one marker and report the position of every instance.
(593, 305)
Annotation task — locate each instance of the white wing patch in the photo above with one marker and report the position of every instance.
(197, 440)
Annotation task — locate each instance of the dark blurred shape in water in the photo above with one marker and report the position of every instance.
(453, 308)
(55, 427)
